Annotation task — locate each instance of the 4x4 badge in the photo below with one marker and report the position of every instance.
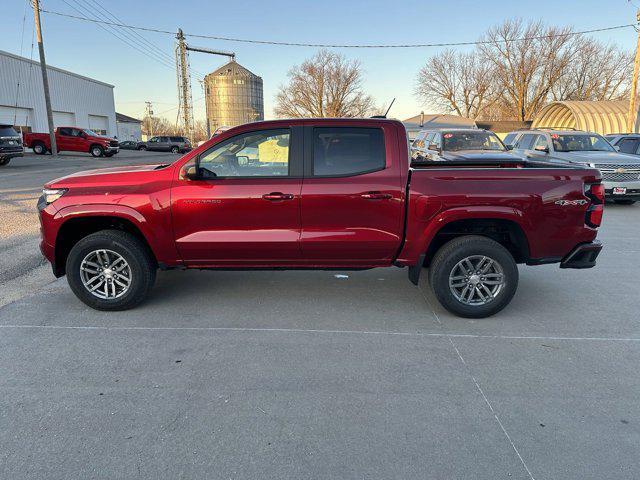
(571, 202)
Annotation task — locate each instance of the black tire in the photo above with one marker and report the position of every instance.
(454, 252)
(39, 148)
(142, 147)
(625, 202)
(96, 151)
(175, 149)
(4, 161)
(142, 268)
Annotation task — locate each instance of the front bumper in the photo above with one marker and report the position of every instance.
(633, 190)
(6, 153)
(112, 149)
(582, 256)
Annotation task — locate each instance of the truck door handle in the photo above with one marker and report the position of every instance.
(376, 196)
(276, 196)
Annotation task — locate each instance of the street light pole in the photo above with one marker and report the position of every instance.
(633, 112)
(45, 80)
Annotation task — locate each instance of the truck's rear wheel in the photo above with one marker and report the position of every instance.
(39, 148)
(110, 270)
(473, 276)
(97, 151)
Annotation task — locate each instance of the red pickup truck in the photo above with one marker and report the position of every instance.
(73, 139)
(320, 194)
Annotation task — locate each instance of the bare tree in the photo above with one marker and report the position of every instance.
(457, 82)
(526, 70)
(326, 85)
(596, 72)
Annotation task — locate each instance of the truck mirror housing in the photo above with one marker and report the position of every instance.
(190, 172)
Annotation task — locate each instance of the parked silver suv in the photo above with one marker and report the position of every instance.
(620, 171)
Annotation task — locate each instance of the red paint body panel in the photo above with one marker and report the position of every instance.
(67, 143)
(327, 222)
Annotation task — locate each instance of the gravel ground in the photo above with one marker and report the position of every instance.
(324, 375)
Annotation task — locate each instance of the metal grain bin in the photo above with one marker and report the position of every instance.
(233, 96)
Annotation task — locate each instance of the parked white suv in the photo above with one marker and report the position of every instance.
(620, 171)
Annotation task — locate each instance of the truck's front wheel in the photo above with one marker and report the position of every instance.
(110, 270)
(473, 276)
(97, 151)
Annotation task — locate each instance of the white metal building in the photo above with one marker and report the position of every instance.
(129, 128)
(75, 100)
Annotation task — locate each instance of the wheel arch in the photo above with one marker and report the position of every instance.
(76, 227)
(506, 231)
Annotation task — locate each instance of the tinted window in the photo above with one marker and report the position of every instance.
(526, 141)
(480, 140)
(509, 138)
(580, 143)
(256, 154)
(347, 151)
(65, 131)
(6, 131)
(164, 139)
(628, 145)
(177, 139)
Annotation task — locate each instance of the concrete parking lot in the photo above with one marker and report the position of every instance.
(314, 374)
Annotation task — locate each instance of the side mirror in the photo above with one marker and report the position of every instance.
(540, 148)
(509, 147)
(190, 173)
(617, 147)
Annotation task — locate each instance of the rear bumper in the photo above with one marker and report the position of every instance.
(582, 256)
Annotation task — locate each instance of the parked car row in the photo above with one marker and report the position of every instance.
(619, 164)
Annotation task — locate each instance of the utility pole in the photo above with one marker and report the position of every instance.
(185, 99)
(149, 115)
(184, 85)
(633, 111)
(45, 80)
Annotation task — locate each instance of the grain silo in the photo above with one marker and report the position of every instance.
(233, 96)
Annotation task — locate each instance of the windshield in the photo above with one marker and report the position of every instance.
(580, 143)
(480, 140)
(6, 131)
(90, 133)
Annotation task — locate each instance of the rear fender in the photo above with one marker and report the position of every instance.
(421, 234)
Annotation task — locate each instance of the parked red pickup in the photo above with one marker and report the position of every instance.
(73, 139)
(320, 194)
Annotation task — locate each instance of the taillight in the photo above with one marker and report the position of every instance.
(595, 192)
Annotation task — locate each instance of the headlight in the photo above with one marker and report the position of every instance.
(50, 195)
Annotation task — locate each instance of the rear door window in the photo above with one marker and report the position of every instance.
(346, 151)
(65, 132)
(177, 139)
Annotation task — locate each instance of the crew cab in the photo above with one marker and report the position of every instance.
(320, 194)
(73, 139)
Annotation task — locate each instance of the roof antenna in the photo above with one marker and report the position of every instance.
(385, 113)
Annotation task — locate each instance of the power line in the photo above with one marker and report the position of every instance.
(328, 45)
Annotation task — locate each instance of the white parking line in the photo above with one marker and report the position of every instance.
(306, 330)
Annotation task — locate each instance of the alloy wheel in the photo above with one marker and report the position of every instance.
(476, 280)
(105, 274)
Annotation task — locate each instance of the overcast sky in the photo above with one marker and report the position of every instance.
(87, 49)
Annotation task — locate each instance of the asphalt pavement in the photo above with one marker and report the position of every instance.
(316, 375)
